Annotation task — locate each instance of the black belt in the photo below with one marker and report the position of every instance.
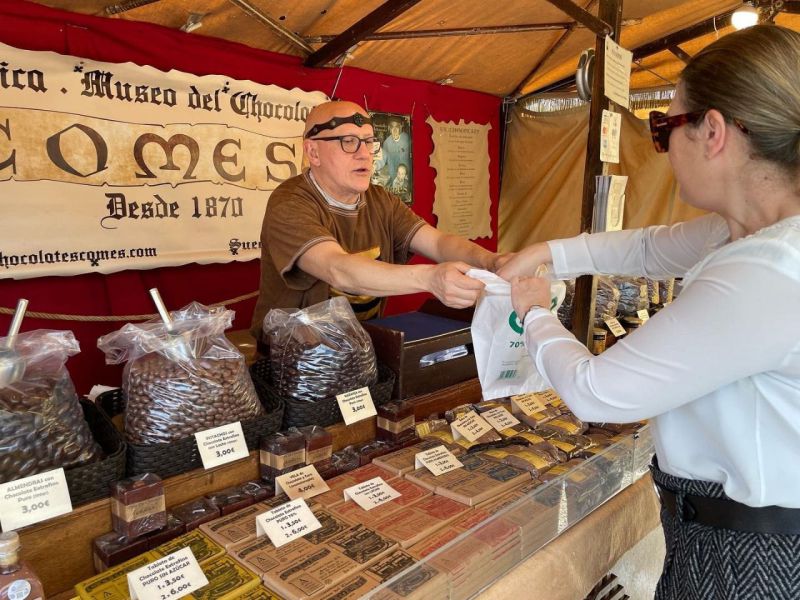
(729, 514)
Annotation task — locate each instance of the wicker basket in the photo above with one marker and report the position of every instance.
(180, 456)
(92, 481)
(324, 412)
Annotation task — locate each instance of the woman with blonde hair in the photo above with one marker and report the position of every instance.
(717, 370)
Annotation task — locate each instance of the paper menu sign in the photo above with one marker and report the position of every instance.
(302, 483)
(356, 405)
(609, 136)
(470, 426)
(500, 418)
(287, 522)
(174, 576)
(371, 493)
(643, 315)
(438, 460)
(615, 204)
(221, 445)
(33, 499)
(617, 80)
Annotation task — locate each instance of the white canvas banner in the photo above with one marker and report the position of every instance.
(106, 167)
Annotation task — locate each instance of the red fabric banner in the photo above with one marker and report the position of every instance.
(35, 27)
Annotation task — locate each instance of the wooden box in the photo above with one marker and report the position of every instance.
(401, 341)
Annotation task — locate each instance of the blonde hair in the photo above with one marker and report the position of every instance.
(753, 76)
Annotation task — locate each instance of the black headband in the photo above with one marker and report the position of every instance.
(355, 118)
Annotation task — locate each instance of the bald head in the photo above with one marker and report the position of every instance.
(324, 112)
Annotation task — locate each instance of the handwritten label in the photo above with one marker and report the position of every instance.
(500, 418)
(356, 405)
(221, 445)
(287, 522)
(437, 460)
(615, 327)
(302, 483)
(371, 493)
(529, 404)
(643, 315)
(470, 426)
(33, 499)
(174, 576)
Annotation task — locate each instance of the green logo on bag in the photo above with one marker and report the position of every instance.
(514, 322)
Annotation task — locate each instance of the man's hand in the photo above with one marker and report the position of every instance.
(527, 292)
(525, 262)
(448, 283)
(500, 260)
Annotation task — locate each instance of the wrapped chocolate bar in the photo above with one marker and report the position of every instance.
(113, 583)
(195, 512)
(230, 499)
(345, 460)
(181, 377)
(111, 549)
(395, 421)
(319, 352)
(259, 490)
(457, 412)
(571, 445)
(170, 531)
(281, 453)
(202, 546)
(319, 446)
(138, 505)
(372, 450)
(431, 425)
(566, 424)
(41, 420)
(548, 413)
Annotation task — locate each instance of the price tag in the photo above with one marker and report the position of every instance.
(437, 460)
(302, 483)
(470, 426)
(529, 404)
(643, 315)
(287, 522)
(174, 576)
(221, 445)
(32, 499)
(614, 326)
(356, 405)
(500, 418)
(371, 493)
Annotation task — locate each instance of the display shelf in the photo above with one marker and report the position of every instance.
(475, 559)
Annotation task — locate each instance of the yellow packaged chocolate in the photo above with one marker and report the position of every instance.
(227, 579)
(202, 546)
(258, 593)
(112, 584)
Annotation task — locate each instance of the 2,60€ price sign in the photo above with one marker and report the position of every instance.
(287, 522)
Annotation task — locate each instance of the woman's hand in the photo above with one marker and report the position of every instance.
(525, 262)
(527, 292)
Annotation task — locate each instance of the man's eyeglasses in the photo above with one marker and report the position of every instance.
(351, 143)
(661, 126)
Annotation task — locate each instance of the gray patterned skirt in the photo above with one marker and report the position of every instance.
(709, 563)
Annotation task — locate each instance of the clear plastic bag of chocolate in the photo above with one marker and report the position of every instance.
(318, 352)
(182, 377)
(41, 419)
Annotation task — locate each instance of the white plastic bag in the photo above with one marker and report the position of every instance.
(504, 366)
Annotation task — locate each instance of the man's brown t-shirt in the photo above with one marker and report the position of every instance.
(298, 217)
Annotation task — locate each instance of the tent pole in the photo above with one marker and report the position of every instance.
(583, 305)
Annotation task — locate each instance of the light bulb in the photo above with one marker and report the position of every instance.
(744, 17)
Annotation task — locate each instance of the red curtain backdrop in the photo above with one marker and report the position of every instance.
(35, 27)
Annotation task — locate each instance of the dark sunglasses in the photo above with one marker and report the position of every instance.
(661, 126)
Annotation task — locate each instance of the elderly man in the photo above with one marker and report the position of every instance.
(330, 232)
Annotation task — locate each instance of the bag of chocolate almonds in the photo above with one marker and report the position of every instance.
(182, 377)
(318, 352)
(41, 419)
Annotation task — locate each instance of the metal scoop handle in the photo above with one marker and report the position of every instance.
(161, 307)
(16, 322)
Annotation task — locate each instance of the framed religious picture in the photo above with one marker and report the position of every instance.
(392, 164)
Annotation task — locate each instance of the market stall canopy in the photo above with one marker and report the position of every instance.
(501, 48)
